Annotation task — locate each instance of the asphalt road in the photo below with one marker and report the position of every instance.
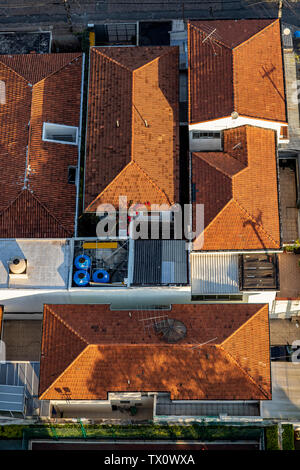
(23, 14)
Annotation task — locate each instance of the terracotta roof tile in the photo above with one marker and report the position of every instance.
(222, 369)
(130, 87)
(240, 199)
(239, 70)
(38, 88)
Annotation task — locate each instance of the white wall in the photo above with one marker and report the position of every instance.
(266, 297)
(33, 300)
(228, 123)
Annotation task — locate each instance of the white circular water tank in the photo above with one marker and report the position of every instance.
(286, 31)
(17, 265)
(234, 115)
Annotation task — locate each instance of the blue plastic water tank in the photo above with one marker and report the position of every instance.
(297, 34)
(82, 262)
(81, 278)
(100, 276)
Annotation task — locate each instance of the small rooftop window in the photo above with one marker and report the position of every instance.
(60, 133)
(206, 135)
(72, 174)
(2, 92)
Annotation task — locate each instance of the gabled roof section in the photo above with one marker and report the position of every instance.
(62, 346)
(110, 347)
(139, 186)
(235, 65)
(26, 215)
(238, 188)
(132, 119)
(35, 67)
(38, 88)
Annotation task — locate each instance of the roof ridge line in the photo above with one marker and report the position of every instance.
(204, 32)
(58, 317)
(257, 33)
(32, 84)
(95, 48)
(64, 371)
(218, 214)
(109, 184)
(132, 162)
(219, 169)
(242, 325)
(14, 71)
(254, 220)
(249, 377)
(12, 202)
(156, 58)
(45, 208)
(59, 69)
(150, 180)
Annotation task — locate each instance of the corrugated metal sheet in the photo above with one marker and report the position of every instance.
(147, 262)
(214, 273)
(158, 262)
(174, 259)
(12, 398)
(23, 374)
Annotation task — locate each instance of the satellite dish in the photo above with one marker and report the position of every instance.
(170, 330)
(286, 31)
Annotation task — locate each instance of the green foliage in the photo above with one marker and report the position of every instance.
(293, 248)
(11, 431)
(203, 432)
(288, 437)
(271, 437)
(150, 431)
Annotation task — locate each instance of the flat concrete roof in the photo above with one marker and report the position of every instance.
(285, 403)
(48, 263)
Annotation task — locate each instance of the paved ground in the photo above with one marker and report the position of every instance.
(284, 331)
(288, 200)
(289, 273)
(285, 401)
(22, 339)
(74, 14)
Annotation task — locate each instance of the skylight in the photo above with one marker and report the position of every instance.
(60, 133)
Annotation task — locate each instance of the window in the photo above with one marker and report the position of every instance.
(72, 174)
(206, 135)
(284, 132)
(218, 297)
(60, 133)
(2, 92)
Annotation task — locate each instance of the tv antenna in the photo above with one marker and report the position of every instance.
(151, 320)
(211, 36)
(198, 345)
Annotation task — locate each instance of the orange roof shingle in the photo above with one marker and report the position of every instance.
(132, 131)
(90, 350)
(238, 68)
(239, 190)
(36, 199)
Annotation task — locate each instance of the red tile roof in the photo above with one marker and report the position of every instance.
(238, 67)
(36, 199)
(89, 350)
(128, 87)
(238, 188)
